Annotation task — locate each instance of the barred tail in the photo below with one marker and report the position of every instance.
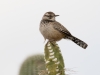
(78, 42)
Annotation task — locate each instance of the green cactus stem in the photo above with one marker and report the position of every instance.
(34, 65)
(53, 59)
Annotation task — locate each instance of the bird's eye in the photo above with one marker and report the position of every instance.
(48, 16)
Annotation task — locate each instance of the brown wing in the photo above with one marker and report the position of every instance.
(61, 28)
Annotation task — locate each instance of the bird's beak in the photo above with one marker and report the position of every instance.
(56, 15)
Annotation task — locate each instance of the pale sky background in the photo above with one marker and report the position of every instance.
(20, 36)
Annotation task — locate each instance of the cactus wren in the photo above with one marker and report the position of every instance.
(54, 31)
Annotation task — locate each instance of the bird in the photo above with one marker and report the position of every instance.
(55, 31)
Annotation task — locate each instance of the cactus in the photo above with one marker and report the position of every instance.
(53, 59)
(52, 65)
(34, 65)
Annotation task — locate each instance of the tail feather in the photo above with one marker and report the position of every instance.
(78, 42)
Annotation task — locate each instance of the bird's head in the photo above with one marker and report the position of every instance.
(49, 16)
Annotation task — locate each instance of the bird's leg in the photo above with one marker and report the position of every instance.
(52, 42)
(44, 40)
